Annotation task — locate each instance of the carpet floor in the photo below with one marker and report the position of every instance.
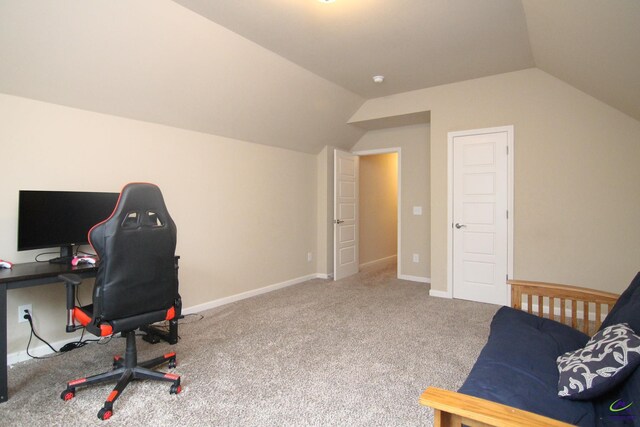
(354, 352)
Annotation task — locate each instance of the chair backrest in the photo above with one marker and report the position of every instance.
(136, 247)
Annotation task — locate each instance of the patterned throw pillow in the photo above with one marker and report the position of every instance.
(609, 357)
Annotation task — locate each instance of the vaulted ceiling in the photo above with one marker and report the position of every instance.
(290, 73)
(414, 43)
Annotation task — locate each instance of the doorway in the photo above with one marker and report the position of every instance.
(378, 198)
(377, 235)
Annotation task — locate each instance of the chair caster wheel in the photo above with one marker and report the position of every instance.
(68, 394)
(172, 363)
(105, 413)
(175, 389)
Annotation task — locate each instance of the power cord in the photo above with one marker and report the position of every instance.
(33, 333)
(44, 253)
(191, 315)
(65, 348)
(182, 320)
(68, 346)
(164, 326)
(81, 343)
(77, 344)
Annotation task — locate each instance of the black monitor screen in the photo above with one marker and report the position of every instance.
(60, 218)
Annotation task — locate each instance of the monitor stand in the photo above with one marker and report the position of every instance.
(66, 255)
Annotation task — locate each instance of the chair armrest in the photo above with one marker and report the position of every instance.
(455, 409)
(72, 281)
(583, 306)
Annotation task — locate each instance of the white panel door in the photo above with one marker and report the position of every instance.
(480, 225)
(345, 214)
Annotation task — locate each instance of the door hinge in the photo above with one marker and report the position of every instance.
(507, 150)
(507, 214)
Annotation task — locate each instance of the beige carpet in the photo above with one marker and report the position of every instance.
(353, 352)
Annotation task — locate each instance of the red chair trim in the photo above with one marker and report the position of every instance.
(81, 316)
(105, 330)
(85, 319)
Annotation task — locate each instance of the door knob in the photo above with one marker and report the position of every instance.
(339, 221)
(459, 226)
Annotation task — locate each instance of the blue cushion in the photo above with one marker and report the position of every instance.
(517, 366)
(627, 308)
(613, 408)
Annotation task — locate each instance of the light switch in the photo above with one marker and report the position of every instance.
(417, 210)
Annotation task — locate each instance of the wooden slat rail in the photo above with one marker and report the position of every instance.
(454, 409)
(585, 309)
(457, 409)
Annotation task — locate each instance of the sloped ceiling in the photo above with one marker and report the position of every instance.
(414, 43)
(592, 45)
(156, 61)
(290, 73)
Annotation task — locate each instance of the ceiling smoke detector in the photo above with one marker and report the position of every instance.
(378, 79)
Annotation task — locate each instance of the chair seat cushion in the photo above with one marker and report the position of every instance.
(517, 366)
(134, 322)
(84, 316)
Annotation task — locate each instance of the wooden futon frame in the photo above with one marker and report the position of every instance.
(581, 308)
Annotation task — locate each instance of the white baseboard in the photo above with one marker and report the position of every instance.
(439, 294)
(44, 350)
(380, 261)
(414, 278)
(324, 276)
(41, 351)
(248, 294)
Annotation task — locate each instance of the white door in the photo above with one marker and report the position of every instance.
(480, 217)
(345, 214)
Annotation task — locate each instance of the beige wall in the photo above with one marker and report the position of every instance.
(414, 175)
(246, 213)
(577, 202)
(378, 202)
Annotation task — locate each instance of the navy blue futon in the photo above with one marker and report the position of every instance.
(517, 367)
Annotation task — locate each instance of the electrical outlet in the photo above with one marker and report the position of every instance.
(309, 256)
(21, 312)
(416, 258)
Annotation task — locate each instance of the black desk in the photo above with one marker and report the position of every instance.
(44, 273)
(24, 276)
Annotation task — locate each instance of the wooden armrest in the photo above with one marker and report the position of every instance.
(454, 409)
(577, 302)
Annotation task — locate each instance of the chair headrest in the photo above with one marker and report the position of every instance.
(139, 204)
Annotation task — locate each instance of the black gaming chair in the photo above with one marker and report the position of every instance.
(136, 285)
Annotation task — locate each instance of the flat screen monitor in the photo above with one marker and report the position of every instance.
(47, 219)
